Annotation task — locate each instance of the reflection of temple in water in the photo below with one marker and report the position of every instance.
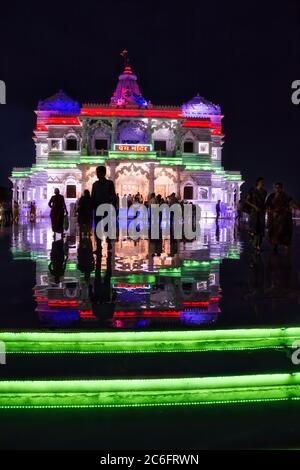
(140, 284)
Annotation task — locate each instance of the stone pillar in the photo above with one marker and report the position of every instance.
(112, 166)
(149, 131)
(151, 178)
(178, 137)
(178, 182)
(14, 196)
(113, 132)
(83, 177)
(84, 145)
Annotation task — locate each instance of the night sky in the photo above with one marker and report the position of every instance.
(242, 55)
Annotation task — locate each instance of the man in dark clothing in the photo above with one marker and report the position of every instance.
(103, 192)
(218, 209)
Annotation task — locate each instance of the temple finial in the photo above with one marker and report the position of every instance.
(124, 54)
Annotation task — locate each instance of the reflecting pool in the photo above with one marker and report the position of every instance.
(213, 282)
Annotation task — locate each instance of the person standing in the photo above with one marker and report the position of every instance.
(16, 213)
(256, 200)
(103, 192)
(239, 211)
(58, 212)
(218, 209)
(85, 213)
(32, 214)
(280, 221)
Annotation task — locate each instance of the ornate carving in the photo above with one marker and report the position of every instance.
(132, 169)
(166, 172)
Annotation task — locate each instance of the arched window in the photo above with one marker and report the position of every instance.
(188, 146)
(188, 192)
(71, 143)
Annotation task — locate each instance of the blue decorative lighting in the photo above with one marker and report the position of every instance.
(199, 107)
(59, 103)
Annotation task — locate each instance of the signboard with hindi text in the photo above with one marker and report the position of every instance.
(133, 147)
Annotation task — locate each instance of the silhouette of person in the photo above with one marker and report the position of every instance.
(85, 257)
(58, 260)
(101, 296)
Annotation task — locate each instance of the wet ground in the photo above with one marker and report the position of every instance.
(212, 283)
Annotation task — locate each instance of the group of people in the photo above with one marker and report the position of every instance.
(103, 192)
(6, 216)
(9, 213)
(278, 207)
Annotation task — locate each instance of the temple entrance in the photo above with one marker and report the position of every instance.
(161, 189)
(165, 182)
(129, 188)
(132, 179)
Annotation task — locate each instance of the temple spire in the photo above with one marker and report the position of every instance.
(127, 92)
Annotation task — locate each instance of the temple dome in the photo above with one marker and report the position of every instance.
(59, 103)
(199, 107)
(127, 92)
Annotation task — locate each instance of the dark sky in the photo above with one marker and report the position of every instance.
(242, 55)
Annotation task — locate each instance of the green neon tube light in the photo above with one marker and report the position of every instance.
(137, 278)
(149, 341)
(149, 392)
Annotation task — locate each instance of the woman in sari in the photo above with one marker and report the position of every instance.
(280, 221)
(58, 212)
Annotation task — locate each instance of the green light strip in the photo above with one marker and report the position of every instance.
(149, 392)
(92, 159)
(149, 341)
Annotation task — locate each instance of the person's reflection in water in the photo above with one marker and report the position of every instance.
(217, 231)
(173, 246)
(101, 296)
(58, 259)
(256, 284)
(85, 257)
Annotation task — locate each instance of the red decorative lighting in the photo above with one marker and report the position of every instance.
(197, 123)
(217, 131)
(199, 303)
(87, 315)
(120, 112)
(63, 303)
(131, 286)
(41, 128)
(148, 313)
(41, 299)
(63, 121)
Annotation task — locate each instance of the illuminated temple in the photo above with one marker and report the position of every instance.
(146, 148)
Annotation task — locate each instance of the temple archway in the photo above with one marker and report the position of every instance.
(165, 182)
(132, 179)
